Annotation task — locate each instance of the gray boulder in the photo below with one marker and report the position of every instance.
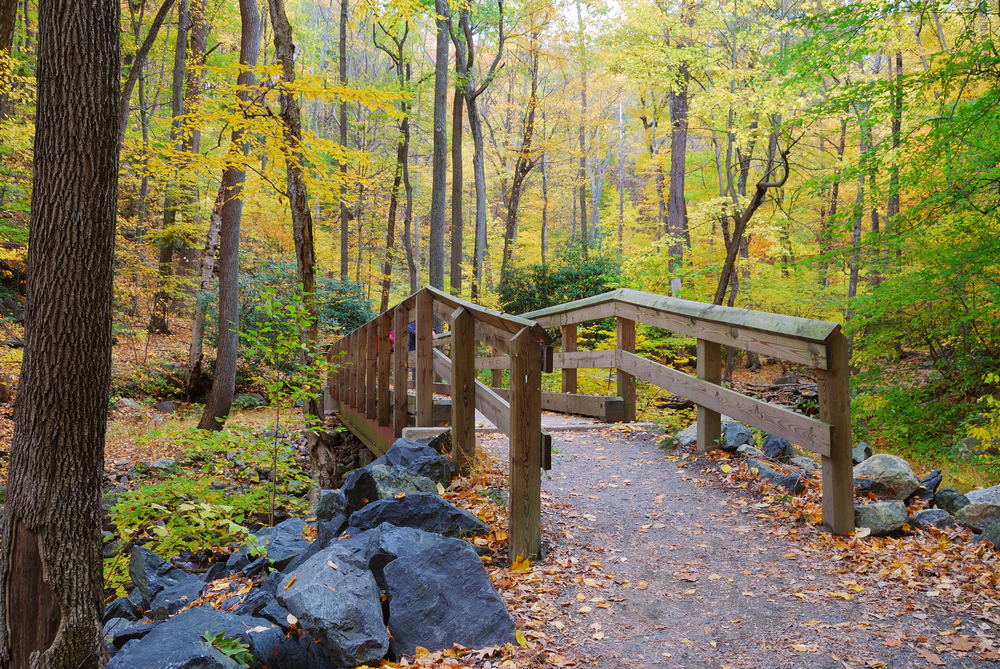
(150, 574)
(442, 596)
(286, 543)
(735, 435)
(172, 599)
(419, 459)
(119, 631)
(777, 448)
(129, 404)
(861, 452)
(422, 510)
(179, 642)
(163, 464)
(936, 518)
(687, 436)
(992, 534)
(338, 605)
(985, 496)
(248, 400)
(164, 407)
(950, 500)
(881, 518)
(375, 482)
(388, 542)
(929, 485)
(750, 451)
(805, 464)
(889, 470)
(978, 516)
(789, 482)
(122, 607)
(331, 503)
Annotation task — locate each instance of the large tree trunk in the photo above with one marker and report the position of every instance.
(479, 174)
(676, 210)
(50, 547)
(224, 383)
(161, 300)
(457, 223)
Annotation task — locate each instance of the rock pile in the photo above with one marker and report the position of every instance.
(387, 572)
(888, 477)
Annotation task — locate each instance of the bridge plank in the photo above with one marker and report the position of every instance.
(796, 428)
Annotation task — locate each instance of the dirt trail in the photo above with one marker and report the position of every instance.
(699, 580)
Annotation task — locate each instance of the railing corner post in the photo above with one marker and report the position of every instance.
(834, 386)
(626, 382)
(400, 382)
(525, 446)
(425, 358)
(463, 390)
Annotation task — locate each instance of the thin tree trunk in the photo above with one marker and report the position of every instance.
(545, 195)
(439, 182)
(581, 175)
(139, 64)
(158, 323)
(457, 111)
(192, 375)
(345, 233)
(676, 210)
(825, 233)
(233, 177)
(621, 176)
(50, 565)
(893, 205)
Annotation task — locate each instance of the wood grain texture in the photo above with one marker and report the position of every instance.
(400, 405)
(383, 408)
(796, 428)
(425, 359)
(371, 368)
(495, 408)
(497, 319)
(834, 386)
(463, 395)
(625, 381)
(710, 371)
(498, 362)
(585, 360)
(525, 446)
(786, 347)
(574, 315)
(568, 346)
(608, 409)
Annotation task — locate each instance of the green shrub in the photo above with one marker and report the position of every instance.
(570, 275)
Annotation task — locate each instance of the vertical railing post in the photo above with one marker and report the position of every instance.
(834, 386)
(525, 445)
(626, 382)
(331, 375)
(569, 346)
(361, 389)
(425, 359)
(400, 374)
(351, 379)
(463, 390)
(371, 370)
(496, 375)
(709, 368)
(384, 367)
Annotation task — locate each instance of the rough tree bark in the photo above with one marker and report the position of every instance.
(224, 383)
(50, 546)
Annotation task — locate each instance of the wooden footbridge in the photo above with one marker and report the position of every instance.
(369, 373)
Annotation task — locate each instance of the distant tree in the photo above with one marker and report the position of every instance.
(52, 598)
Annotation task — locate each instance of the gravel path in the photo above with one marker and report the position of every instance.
(674, 568)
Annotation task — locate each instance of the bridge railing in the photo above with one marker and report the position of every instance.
(369, 389)
(817, 344)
